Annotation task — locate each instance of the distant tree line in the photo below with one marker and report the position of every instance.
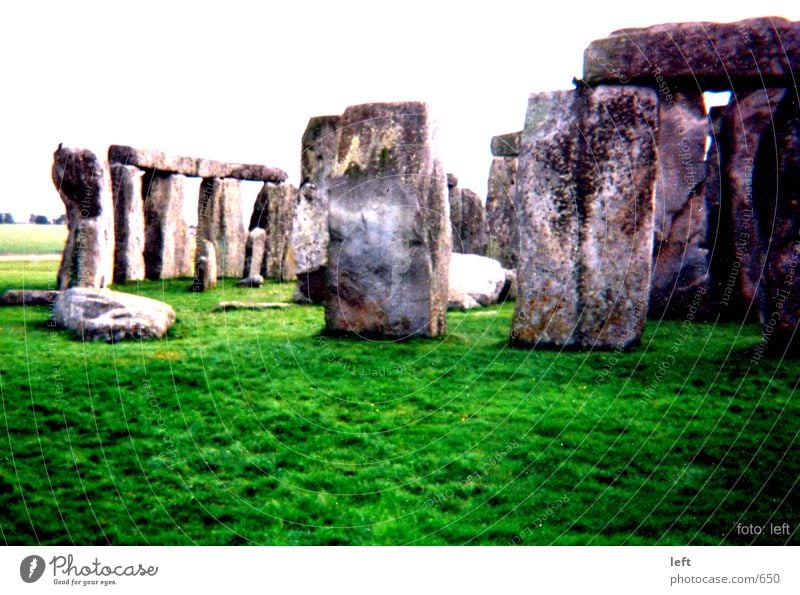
(8, 219)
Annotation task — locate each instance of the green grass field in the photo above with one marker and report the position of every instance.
(252, 428)
(24, 238)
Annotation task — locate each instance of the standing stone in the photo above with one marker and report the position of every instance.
(585, 192)
(84, 184)
(502, 215)
(167, 246)
(205, 272)
(318, 149)
(254, 253)
(680, 282)
(309, 236)
(474, 231)
(389, 224)
(738, 252)
(274, 211)
(128, 223)
(468, 219)
(777, 203)
(219, 220)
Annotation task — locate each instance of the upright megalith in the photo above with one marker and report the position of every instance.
(502, 217)
(274, 212)
(468, 219)
(738, 252)
(128, 223)
(681, 263)
(309, 236)
(776, 198)
(167, 245)
(219, 220)
(389, 224)
(585, 195)
(318, 153)
(205, 268)
(84, 184)
(255, 247)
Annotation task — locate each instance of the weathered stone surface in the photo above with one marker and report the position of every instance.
(502, 215)
(193, 166)
(84, 184)
(309, 237)
(274, 211)
(776, 199)
(475, 281)
(506, 145)
(168, 247)
(585, 191)
(312, 287)
(256, 246)
(468, 219)
(681, 280)
(738, 253)
(219, 220)
(255, 281)
(389, 225)
(128, 223)
(28, 297)
(111, 316)
(705, 55)
(205, 269)
(318, 149)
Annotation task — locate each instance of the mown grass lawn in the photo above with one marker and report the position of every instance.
(24, 238)
(251, 427)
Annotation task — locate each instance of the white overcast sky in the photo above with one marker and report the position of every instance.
(237, 81)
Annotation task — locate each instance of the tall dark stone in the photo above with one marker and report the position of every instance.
(585, 194)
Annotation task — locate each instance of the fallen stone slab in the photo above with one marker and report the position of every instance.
(237, 305)
(112, 316)
(28, 297)
(254, 281)
(476, 281)
(708, 56)
(193, 166)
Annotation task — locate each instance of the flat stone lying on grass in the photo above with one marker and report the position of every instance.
(103, 314)
(477, 281)
(253, 281)
(28, 297)
(224, 306)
